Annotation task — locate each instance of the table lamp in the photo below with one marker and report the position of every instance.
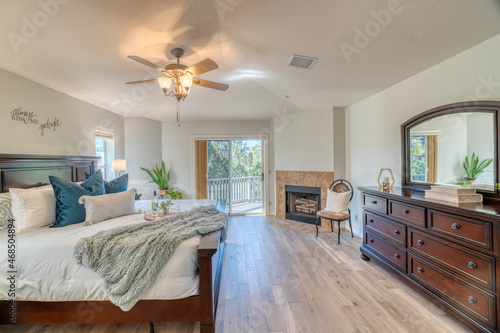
(119, 165)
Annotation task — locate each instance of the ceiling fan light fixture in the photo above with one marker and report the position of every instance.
(187, 81)
(164, 82)
(178, 78)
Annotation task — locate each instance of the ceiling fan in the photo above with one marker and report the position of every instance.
(179, 78)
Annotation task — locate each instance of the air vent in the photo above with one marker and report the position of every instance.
(302, 62)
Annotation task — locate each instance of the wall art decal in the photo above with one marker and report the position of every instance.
(29, 117)
(24, 116)
(50, 125)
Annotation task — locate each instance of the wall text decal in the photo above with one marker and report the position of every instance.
(24, 116)
(50, 125)
(29, 117)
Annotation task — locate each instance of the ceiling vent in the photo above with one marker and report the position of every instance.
(302, 62)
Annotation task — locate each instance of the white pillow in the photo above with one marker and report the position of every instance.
(33, 208)
(337, 202)
(5, 210)
(102, 207)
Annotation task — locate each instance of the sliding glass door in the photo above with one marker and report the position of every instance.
(235, 173)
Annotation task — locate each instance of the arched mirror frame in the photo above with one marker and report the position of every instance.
(479, 106)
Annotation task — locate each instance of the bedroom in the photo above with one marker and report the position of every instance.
(63, 68)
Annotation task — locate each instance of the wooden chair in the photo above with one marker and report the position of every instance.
(340, 185)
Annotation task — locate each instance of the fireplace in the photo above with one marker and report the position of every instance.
(302, 203)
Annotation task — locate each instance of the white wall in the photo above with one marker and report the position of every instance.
(373, 125)
(304, 141)
(177, 149)
(480, 140)
(74, 136)
(142, 149)
(339, 143)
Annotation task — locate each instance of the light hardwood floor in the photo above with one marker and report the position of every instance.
(280, 280)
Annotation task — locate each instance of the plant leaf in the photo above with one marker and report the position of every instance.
(159, 175)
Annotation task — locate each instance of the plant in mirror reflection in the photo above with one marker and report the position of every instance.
(473, 168)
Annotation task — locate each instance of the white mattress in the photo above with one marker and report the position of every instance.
(47, 271)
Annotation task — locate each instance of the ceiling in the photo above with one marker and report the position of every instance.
(80, 48)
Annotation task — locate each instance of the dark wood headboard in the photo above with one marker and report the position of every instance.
(25, 171)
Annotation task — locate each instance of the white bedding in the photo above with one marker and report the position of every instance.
(47, 271)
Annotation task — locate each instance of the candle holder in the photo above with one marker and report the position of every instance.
(386, 185)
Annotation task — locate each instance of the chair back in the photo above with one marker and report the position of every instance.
(342, 185)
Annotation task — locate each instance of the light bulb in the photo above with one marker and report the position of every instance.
(187, 82)
(164, 82)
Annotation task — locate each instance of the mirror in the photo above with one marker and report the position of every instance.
(439, 142)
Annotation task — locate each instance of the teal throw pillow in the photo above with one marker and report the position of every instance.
(67, 193)
(117, 185)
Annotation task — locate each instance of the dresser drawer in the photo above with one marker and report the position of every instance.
(475, 267)
(376, 203)
(395, 231)
(394, 256)
(457, 228)
(478, 303)
(407, 212)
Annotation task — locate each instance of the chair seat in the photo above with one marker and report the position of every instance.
(327, 214)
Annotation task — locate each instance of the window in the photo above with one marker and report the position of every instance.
(104, 148)
(418, 158)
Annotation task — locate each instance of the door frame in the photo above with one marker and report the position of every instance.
(215, 137)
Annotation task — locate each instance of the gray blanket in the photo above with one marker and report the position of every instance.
(129, 258)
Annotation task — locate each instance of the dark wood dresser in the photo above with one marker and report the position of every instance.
(446, 251)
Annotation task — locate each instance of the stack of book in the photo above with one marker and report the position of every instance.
(455, 194)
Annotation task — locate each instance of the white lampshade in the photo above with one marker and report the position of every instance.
(164, 82)
(186, 82)
(119, 165)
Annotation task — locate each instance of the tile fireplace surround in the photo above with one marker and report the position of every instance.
(321, 179)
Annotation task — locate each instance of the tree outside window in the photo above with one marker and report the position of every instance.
(418, 159)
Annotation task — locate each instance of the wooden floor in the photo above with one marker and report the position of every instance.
(280, 280)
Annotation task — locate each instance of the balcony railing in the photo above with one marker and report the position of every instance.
(243, 189)
(418, 178)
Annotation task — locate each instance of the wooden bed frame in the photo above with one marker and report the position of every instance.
(25, 171)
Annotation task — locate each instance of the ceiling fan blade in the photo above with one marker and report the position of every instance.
(210, 84)
(203, 66)
(142, 81)
(147, 63)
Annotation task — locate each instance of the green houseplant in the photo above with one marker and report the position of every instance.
(174, 193)
(473, 168)
(160, 177)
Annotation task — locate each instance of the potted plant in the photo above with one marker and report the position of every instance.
(160, 177)
(473, 168)
(174, 193)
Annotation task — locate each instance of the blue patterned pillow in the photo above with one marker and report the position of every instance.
(117, 185)
(68, 210)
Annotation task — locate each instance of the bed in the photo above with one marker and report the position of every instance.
(72, 294)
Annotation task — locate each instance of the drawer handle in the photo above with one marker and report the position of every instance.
(472, 300)
(420, 270)
(406, 211)
(371, 221)
(472, 265)
(371, 240)
(396, 232)
(455, 226)
(420, 242)
(396, 256)
(374, 202)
